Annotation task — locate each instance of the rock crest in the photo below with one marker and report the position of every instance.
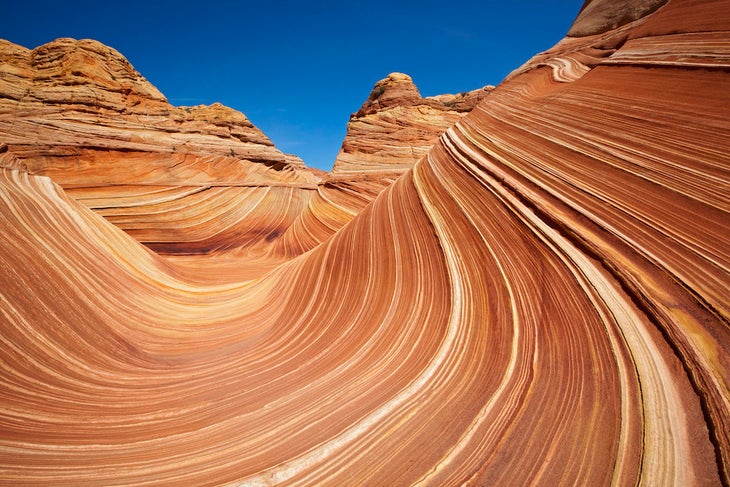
(78, 112)
(396, 126)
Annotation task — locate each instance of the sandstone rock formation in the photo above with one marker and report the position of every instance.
(78, 112)
(393, 129)
(599, 16)
(180, 179)
(542, 299)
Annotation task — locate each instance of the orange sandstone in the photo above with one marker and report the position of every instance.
(541, 299)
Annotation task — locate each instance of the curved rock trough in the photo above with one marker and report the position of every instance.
(532, 289)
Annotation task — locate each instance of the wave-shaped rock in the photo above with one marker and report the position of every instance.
(394, 128)
(540, 300)
(79, 113)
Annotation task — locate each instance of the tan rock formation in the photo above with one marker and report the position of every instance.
(599, 16)
(78, 112)
(393, 129)
(541, 300)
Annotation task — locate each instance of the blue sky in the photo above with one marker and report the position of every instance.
(299, 69)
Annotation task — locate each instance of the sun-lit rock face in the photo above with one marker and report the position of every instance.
(599, 16)
(541, 300)
(393, 129)
(180, 179)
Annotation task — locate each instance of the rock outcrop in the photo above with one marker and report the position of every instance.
(599, 16)
(393, 129)
(180, 179)
(540, 300)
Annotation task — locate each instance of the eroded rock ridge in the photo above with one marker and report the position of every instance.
(540, 299)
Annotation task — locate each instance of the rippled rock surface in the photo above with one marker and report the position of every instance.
(542, 299)
(391, 131)
(179, 179)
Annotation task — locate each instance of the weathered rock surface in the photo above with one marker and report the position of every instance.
(541, 300)
(599, 16)
(393, 129)
(78, 112)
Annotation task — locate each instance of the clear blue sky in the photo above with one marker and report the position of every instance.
(299, 69)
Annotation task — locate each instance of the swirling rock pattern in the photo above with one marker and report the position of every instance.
(393, 129)
(78, 112)
(542, 299)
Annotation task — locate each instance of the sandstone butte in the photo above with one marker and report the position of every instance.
(538, 296)
(393, 129)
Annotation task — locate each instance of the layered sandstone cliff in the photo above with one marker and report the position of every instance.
(394, 128)
(540, 300)
(180, 179)
(192, 179)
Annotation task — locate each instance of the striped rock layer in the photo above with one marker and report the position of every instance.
(393, 129)
(542, 299)
(179, 179)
